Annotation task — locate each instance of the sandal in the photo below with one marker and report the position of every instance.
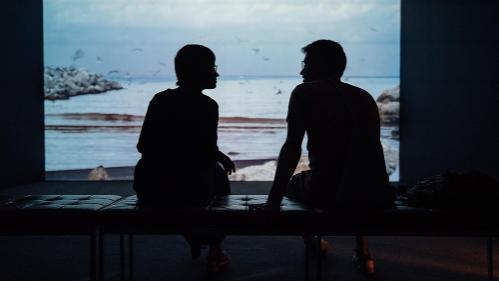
(217, 261)
(365, 263)
(325, 249)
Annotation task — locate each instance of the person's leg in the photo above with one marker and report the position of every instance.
(299, 189)
(222, 184)
(217, 259)
(195, 243)
(362, 246)
(362, 256)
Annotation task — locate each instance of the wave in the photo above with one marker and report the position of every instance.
(92, 128)
(238, 119)
(97, 116)
(135, 118)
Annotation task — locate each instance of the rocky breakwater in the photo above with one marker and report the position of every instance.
(389, 107)
(66, 82)
(389, 110)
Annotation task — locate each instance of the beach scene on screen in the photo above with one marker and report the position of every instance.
(105, 60)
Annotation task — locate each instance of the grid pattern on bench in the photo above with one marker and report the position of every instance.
(241, 203)
(58, 202)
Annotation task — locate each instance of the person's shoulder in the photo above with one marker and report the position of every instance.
(312, 86)
(163, 94)
(160, 97)
(354, 89)
(304, 89)
(356, 92)
(209, 100)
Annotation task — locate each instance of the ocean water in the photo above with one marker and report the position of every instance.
(102, 129)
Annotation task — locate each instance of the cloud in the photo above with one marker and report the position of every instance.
(233, 28)
(216, 14)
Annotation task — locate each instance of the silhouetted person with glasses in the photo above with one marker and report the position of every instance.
(347, 167)
(178, 142)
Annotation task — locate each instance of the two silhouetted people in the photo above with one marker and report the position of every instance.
(179, 149)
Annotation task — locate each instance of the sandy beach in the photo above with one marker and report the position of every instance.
(126, 172)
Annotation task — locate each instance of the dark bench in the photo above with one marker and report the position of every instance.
(98, 215)
(57, 215)
(231, 215)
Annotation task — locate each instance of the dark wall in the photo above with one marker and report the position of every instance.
(449, 87)
(21, 77)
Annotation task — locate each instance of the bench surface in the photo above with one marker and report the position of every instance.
(230, 215)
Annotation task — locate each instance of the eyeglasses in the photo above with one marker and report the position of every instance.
(215, 67)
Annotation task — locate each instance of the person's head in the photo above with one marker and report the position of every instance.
(195, 67)
(324, 59)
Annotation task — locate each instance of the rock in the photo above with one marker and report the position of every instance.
(389, 95)
(389, 107)
(391, 158)
(66, 82)
(395, 134)
(264, 172)
(98, 174)
(389, 114)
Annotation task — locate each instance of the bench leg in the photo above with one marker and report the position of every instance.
(319, 258)
(490, 258)
(124, 238)
(95, 256)
(307, 261)
(93, 272)
(101, 257)
(130, 256)
(122, 257)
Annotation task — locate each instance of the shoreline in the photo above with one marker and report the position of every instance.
(126, 172)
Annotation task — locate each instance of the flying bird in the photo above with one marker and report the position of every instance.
(240, 40)
(78, 54)
(256, 50)
(98, 60)
(137, 50)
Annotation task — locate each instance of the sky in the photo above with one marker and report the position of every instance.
(249, 38)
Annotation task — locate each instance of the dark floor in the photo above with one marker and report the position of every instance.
(252, 258)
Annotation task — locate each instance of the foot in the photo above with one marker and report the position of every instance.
(196, 250)
(325, 248)
(217, 261)
(365, 263)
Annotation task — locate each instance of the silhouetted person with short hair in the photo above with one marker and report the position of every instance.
(178, 142)
(347, 167)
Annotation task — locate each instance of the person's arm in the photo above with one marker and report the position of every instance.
(226, 162)
(290, 152)
(147, 136)
(228, 165)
